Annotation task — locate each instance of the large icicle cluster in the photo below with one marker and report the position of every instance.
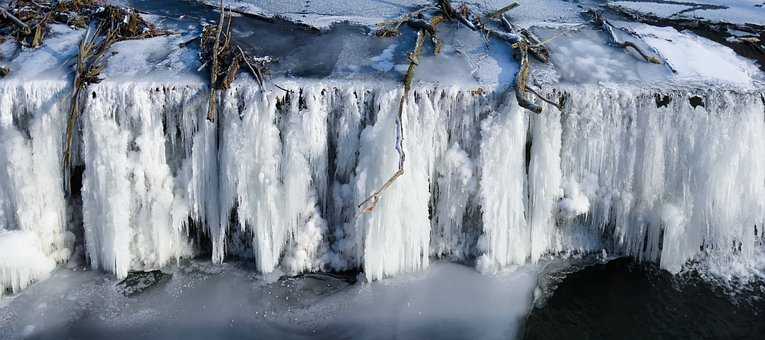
(33, 234)
(671, 174)
(277, 178)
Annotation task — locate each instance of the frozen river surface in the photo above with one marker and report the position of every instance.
(202, 301)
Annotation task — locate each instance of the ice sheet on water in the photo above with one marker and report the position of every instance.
(202, 301)
(322, 14)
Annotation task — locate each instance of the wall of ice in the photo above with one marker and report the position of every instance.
(33, 219)
(665, 176)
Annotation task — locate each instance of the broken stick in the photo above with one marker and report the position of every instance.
(212, 110)
(23, 26)
(501, 12)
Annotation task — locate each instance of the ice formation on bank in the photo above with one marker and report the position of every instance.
(32, 204)
(23, 261)
(662, 175)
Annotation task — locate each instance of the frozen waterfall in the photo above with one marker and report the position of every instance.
(666, 176)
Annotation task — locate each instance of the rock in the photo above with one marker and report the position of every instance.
(138, 282)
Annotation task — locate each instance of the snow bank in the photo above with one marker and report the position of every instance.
(22, 260)
(710, 62)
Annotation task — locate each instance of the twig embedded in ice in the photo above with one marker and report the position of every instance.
(369, 204)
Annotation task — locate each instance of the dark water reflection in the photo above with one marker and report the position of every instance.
(625, 300)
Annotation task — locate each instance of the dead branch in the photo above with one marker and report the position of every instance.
(536, 46)
(392, 28)
(508, 37)
(281, 88)
(212, 110)
(500, 12)
(369, 204)
(83, 74)
(108, 26)
(543, 98)
(7, 15)
(450, 13)
(609, 28)
(225, 58)
(255, 71)
(522, 78)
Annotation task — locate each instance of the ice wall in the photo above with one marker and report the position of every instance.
(134, 213)
(664, 176)
(32, 200)
(671, 175)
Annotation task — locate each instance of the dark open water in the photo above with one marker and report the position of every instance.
(625, 300)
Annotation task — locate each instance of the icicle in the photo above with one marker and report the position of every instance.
(505, 238)
(32, 204)
(133, 217)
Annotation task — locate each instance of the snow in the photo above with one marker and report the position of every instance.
(728, 11)
(155, 59)
(22, 260)
(53, 60)
(710, 62)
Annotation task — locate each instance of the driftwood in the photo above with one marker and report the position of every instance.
(225, 58)
(522, 41)
(535, 45)
(501, 12)
(22, 25)
(392, 28)
(108, 26)
(424, 28)
(451, 13)
(522, 78)
(609, 28)
(369, 204)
